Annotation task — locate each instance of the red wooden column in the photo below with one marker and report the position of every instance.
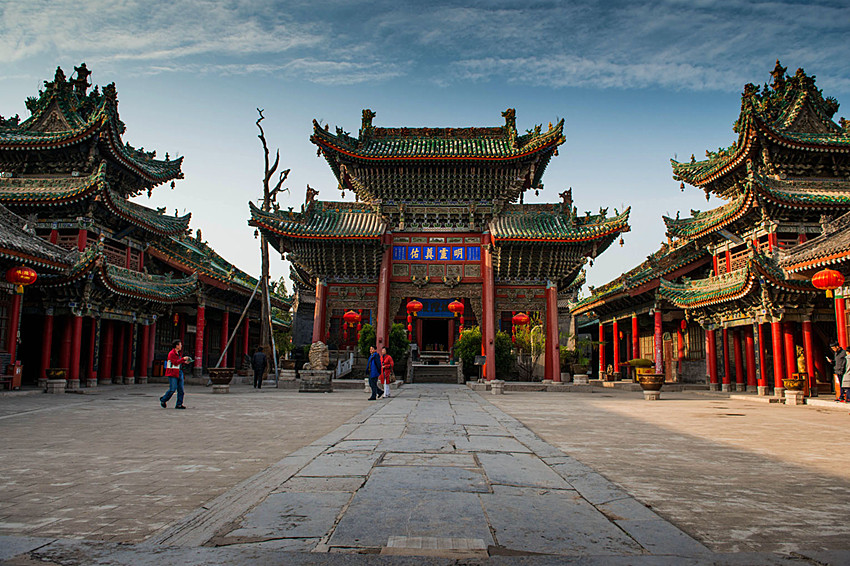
(65, 344)
(151, 348)
(762, 377)
(680, 344)
(601, 350)
(711, 359)
(616, 340)
(740, 384)
(488, 332)
(245, 334)
(778, 358)
(383, 314)
(120, 347)
(14, 323)
(46, 344)
(451, 334)
(809, 353)
(659, 351)
(82, 239)
(750, 352)
(105, 377)
(841, 320)
(199, 342)
(91, 377)
(790, 349)
(635, 337)
(552, 363)
(225, 334)
(726, 365)
(144, 330)
(76, 324)
(320, 311)
(132, 344)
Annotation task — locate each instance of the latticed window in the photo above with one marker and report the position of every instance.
(647, 346)
(695, 343)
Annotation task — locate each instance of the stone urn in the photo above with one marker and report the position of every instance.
(794, 384)
(651, 383)
(56, 382)
(221, 378)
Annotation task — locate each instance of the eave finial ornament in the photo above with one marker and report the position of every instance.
(311, 195)
(366, 123)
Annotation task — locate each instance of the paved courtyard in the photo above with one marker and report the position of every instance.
(439, 474)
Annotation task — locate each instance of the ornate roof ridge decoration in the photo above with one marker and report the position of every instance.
(791, 112)
(196, 255)
(18, 243)
(154, 221)
(701, 223)
(320, 223)
(46, 191)
(830, 248)
(810, 194)
(489, 143)
(691, 294)
(666, 259)
(121, 281)
(556, 227)
(65, 114)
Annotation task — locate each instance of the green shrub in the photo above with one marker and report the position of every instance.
(504, 357)
(397, 347)
(468, 346)
(367, 338)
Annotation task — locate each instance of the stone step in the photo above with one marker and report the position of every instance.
(434, 374)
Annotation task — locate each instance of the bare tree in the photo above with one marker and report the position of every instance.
(269, 201)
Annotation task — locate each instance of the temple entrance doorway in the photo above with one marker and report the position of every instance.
(435, 335)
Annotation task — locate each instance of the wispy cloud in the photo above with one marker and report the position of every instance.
(683, 44)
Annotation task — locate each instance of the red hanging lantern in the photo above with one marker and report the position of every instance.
(414, 307)
(827, 280)
(520, 319)
(683, 325)
(351, 318)
(456, 307)
(21, 276)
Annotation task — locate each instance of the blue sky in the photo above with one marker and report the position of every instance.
(637, 83)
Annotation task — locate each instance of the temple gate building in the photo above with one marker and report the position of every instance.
(439, 217)
(721, 274)
(133, 278)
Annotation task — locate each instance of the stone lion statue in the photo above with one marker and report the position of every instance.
(319, 358)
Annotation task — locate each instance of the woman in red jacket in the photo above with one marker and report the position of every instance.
(174, 374)
(387, 376)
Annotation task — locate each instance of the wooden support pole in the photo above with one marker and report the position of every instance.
(635, 337)
(488, 332)
(46, 345)
(809, 353)
(659, 350)
(739, 360)
(552, 363)
(14, 322)
(225, 331)
(320, 311)
(76, 324)
(726, 365)
(200, 322)
(778, 358)
(105, 377)
(616, 340)
(120, 347)
(749, 351)
(840, 320)
(383, 315)
(601, 350)
(711, 358)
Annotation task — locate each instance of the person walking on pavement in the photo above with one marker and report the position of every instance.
(258, 364)
(387, 376)
(374, 365)
(174, 374)
(839, 365)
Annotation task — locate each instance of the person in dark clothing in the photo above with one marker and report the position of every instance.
(258, 364)
(839, 365)
(375, 369)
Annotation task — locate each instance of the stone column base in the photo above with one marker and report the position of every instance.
(724, 387)
(740, 387)
(141, 380)
(287, 375)
(581, 379)
(221, 388)
(129, 380)
(55, 386)
(42, 382)
(104, 382)
(548, 382)
(651, 395)
(72, 384)
(714, 387)
(197, 371)
(779, 392)
(763, 390)
(117, 379)
(91, 383)
(794, 397)
(497, 387)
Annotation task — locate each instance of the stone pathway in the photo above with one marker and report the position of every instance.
(436, 475)
(436, 469)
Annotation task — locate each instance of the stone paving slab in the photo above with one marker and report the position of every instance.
(387, 479)
(524, 470)
(413, 459)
